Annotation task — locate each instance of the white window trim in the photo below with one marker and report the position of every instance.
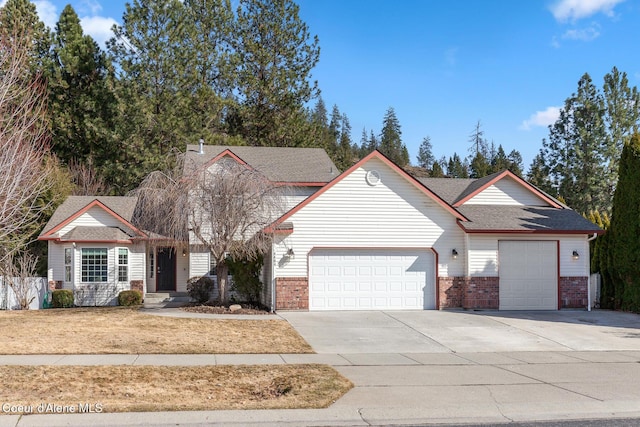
(122, 265)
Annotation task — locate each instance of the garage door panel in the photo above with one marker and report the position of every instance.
(528, 275)
(371, 279)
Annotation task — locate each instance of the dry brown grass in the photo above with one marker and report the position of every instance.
(153, 388)
(121, 330)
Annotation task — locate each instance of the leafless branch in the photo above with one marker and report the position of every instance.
(18, 272)
(23, 145)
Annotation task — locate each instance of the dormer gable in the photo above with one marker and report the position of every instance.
(505, 189)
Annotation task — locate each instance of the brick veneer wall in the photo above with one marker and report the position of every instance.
(451, 289)
(292, 293)
(469, 292)
(482, 292)
(573, 292)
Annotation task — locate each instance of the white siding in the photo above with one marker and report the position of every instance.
(392, 214)
(104, 293)
(295, 195)
(484, 257)
(198, 263)
(506, 192)
(96, 216)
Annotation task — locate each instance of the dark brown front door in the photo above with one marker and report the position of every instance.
(166, 270)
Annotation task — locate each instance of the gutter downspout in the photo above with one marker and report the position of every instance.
(589, 239)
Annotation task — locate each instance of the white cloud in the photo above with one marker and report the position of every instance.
(47, 12)
(583, 34)
(91, 7)
(573, 10)
(98, 27)
(541, 118)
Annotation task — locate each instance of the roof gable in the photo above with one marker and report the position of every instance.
(119, 208)
(286, 165)
(373, 155)
(491, 181)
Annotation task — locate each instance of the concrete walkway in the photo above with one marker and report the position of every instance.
(453, 382)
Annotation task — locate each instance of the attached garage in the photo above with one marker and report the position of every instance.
(371, 279)
(528, 273)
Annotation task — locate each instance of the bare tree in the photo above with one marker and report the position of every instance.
(224, 208)
(18, 272)
(86, 179)
(23, 146)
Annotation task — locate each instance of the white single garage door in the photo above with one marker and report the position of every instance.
(528, 273)
(371, 279)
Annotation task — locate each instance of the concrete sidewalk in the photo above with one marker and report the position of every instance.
(410, 388)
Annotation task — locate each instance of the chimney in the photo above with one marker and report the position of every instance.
(201, 146)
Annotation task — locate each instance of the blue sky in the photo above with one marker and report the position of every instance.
(445, 65)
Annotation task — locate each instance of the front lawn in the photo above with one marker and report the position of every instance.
(122, 330)
(49, 389)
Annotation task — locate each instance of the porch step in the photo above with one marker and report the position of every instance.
(166, 297)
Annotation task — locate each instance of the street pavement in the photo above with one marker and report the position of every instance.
(414, 368)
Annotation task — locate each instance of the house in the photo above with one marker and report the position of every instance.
(370, 238)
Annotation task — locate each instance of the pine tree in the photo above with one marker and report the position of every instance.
(154, 106)
(391, 139)
(479, 166)
(425, 153)
(275, 58)
(82, 103)
(538, 174)
(515, 162)
(436, 170)
(456, 168)
(624, 245)
(19, 18)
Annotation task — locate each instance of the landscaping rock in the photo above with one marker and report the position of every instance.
(235, 307)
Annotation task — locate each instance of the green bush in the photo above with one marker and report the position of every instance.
(129, 298)
(200, 288)
(62, 298)
(246, 278)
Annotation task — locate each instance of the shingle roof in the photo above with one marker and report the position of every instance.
(123, 206)
(278, 164)
(524, 219)
(476, 185)
(95, 234)
(447, 188)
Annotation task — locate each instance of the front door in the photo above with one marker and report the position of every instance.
(166, 269)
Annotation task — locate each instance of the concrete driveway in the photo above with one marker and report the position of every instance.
(459, 331)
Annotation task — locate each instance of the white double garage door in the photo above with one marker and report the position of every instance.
(399, 279)
(371, 279)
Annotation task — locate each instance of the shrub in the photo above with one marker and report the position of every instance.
(129, 298)
(200, 288)
(246, 278)
(62, 298)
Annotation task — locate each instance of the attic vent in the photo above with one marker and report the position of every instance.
(373, 177)
(201, 146)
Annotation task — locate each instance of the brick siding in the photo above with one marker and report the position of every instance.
(469, 292)
(292, 293)
(482, 292)
(573, 292)
(450, 289)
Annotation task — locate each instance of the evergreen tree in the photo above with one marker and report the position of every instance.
(391, 139)
(425, 153)
(344, 154)
(515, 162)
(436, 170)
(153, 101)
(538, 174)
(479, 166)
(456, 168)
(208, 78)
(82, 103)
(19, 18)
(624, 245)
(275, 59)
(500, 161)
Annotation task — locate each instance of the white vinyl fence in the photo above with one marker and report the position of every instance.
(38, 290)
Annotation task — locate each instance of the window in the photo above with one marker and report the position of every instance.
(67, 264)
(151, 266)
(123, 264)
(94, 264)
